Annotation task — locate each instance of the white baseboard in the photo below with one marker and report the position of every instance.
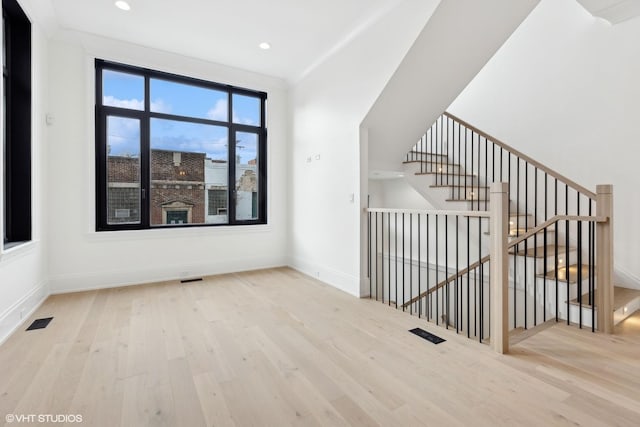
(18, 313)
(80, 282)
(338, 279)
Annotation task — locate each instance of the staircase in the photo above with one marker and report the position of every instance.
(553, 230)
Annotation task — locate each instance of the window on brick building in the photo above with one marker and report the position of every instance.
(168, 146)
(16, 125)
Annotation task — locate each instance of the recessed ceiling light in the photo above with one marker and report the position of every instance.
(264, 45)
(120, 4)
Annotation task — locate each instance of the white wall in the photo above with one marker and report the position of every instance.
(564, 90)
(327, 107)
(395, 194)
(23, 272)
(81, 258)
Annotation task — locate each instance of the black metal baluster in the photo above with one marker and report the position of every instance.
(567, 263)
(468, 294)
(475, 292)
(579, 232)
(526, 228)
(469, 194)
(419, 271)
(376, 256)
(428, 274)
(404, 262)
(535, 247)
(457, 270)
(592, 272)
(441, 169)
(382, 253)
(479, 269)
(477, 193)
(389, 257)
(544, 244)
(395, 232)
(437, 273)
(556, 229)
(410, 262)
(459, 183)
(515, 266)
(446, 268)
(466, 167)
(369, 252)
(486, 172)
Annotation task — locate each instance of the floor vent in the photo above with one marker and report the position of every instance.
(40, 323)
(197, 279)
(427, 335)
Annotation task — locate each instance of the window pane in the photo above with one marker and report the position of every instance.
(246, 176)
(246, 110)
(187, 160)
(123, 170)
(187, 100)
(122, 90)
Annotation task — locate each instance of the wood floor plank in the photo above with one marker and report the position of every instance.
(275, 348)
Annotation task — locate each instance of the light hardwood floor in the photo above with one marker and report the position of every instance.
(277, 348)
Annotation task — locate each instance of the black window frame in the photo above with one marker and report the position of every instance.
(17, 203)
(145, 116)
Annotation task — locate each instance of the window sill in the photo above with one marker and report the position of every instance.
(16, 249)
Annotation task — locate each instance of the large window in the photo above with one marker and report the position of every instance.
(175, 151)
(16, 124)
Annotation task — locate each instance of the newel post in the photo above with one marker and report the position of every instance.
(604, 258)
(499, 304)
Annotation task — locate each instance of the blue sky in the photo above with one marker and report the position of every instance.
(127, 91)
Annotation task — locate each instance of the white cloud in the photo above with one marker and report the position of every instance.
(133, 104)
(219, 111)
(158, 106)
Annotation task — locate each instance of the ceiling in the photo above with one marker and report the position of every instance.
(301, 32)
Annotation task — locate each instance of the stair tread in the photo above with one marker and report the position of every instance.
(621, 296)
(481, 200)
(428, 154)
(451, 174)
(562, 275)
(457, 165)
(538, 251)
(470, 187)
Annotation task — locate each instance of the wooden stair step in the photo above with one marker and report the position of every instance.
(572, 276)
(621, 296)
(468, 187)
(423, 153)
(453, 175)
(455, 165)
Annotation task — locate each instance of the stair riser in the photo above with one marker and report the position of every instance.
(436, 179)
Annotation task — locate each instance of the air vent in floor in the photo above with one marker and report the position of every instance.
(427, 335)
(40, 323)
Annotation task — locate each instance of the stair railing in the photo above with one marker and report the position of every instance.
(412, 251)
(555, 225)
(426, 263)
